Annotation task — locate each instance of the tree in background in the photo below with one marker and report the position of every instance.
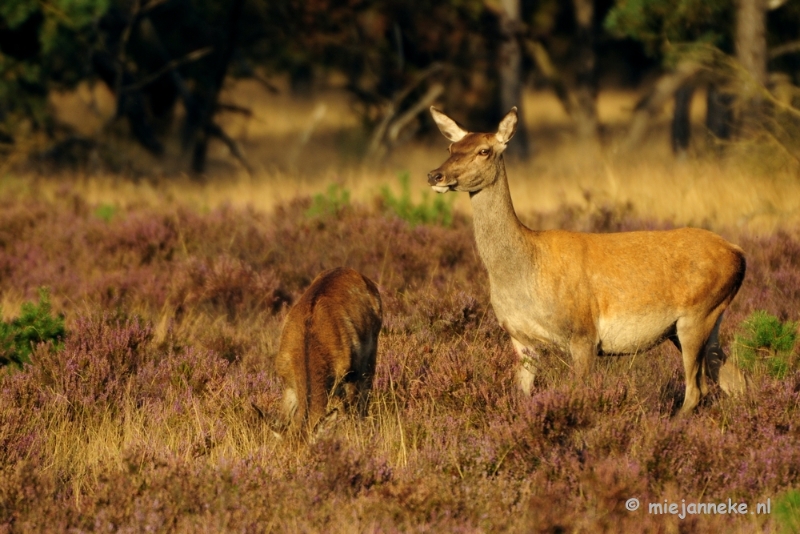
(43, 46)
(677, 33)
(695, 40)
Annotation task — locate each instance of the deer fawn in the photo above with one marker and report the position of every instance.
(328, 347)
(617, 293)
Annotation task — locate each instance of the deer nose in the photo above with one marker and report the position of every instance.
(434, 177)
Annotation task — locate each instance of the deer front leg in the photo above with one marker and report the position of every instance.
(526, 366)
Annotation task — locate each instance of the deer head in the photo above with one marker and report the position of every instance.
(475, 158)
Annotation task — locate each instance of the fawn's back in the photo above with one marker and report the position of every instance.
(329, 345)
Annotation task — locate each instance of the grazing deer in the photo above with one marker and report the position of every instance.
(328, 347)
(617, 293)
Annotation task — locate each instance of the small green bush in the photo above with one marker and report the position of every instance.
(437, 211)
(787, 511)
(329, 203)
(36, 324)
(105, 212)
(766, 341)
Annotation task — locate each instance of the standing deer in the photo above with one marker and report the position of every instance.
(617, 293)
(328, 347)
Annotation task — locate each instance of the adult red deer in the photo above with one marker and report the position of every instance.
(328, 348)
(616, 293)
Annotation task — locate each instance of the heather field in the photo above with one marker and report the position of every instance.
(154, 410)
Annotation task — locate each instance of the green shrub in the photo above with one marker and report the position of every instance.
(437, 211)
(767, 342)
(105, 212)
(330, 203)
(36, 324)
(787, 511)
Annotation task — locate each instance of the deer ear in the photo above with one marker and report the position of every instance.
(508, 126)
(449, 128)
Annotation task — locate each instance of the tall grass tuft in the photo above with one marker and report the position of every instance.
(767, 342)
(334, 200)
(787, 511)
(438, 211)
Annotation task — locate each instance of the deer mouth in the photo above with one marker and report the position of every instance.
(442, 188)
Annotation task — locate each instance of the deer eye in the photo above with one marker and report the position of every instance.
(483, 152)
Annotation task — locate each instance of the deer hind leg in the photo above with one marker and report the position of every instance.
(290, 403)
(584, 352)
(700, 351)
(730, 379)
(366, 373)
(526, 366)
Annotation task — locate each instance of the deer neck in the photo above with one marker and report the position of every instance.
(499, 235)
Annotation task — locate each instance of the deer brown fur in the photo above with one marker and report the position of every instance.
(616, 293)
(328, 347)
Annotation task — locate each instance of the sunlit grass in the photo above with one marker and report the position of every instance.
(752, 187)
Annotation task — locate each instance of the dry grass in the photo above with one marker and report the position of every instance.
(754, 188)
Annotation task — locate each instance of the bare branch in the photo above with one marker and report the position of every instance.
(265, 83)
(247, 112)
(215, 131)
(391, 108)
(152, 5)
(784, 49)
(422, 104)
(172, 65)
(545, 65)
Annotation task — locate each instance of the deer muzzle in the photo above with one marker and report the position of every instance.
(435, 177)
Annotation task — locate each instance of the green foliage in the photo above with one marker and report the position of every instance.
(787, 511)
(768, 342)
(105, 212)
(36, 324)
(437, 211)
(49, 45)
(332, 202)
(661, 24)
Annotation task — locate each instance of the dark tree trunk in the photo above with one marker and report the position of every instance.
(719, 113)
(207, 128)
(586, 76)
(510, 73)
(681, 121)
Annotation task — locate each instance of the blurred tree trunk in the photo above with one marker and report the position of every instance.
(586, 75)
(207, 128)
(719, 112)
(751, 51)
(681, 121)
(510, 71)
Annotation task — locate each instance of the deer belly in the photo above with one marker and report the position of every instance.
(627, 335)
